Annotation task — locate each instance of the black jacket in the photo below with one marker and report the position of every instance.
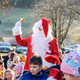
(5, 61)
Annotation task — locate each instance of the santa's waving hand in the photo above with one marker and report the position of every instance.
(40, 42)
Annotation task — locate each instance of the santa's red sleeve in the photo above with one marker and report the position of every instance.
(55, 49)
(21, 41)
(25, 42)
(55, 74)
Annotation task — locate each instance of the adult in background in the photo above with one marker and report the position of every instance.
(7, 57)
(10, 60)
(40, 42)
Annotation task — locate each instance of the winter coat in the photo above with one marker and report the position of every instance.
(9, 63)
(5, 61)
(17, 78)
(1, 74)
(55, 66)
(23, 59)
(40, 76)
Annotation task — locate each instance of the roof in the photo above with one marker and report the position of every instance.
(9, 39)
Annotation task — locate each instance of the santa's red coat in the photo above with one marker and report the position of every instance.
(27, 43)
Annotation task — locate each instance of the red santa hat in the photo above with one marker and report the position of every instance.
(45, 25)
(55, 74)
(50, 60)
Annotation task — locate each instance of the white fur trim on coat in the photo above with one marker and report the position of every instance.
(17, 29)
(51, 78)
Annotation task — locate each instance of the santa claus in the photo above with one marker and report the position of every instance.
(40, 42)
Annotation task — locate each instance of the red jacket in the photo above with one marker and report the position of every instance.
(27, 43)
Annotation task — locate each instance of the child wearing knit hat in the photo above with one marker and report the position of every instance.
(18, 69)
(71, 65)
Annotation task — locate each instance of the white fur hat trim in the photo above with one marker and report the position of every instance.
(47, 64)
(51, 78)
(37, 25)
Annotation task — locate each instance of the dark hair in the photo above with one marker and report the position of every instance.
(12, 66)
(1, 57)
(36, 59)
(1, 62)
(12, 56)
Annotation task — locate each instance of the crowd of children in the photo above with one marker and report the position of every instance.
(11, 66)
(68, 69)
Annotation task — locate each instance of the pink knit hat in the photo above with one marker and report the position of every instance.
(45, 25)
(19, 68)
(71, 63)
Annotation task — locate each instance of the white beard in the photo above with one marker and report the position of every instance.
(40, 44)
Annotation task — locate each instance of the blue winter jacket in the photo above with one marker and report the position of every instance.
(40, 76)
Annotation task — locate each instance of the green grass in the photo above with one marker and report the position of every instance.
(73, 35)
(15, 15)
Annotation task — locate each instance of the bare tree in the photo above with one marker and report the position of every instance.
(6, 7)
(61, 14)
(76, 7)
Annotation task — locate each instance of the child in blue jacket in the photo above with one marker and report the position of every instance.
(35, 73)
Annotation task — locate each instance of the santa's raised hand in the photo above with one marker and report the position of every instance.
(17, 29)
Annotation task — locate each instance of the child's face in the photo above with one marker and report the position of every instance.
(12, 69)
(35, 68)
(16, 73)
(8, 75)
(23, 54)
(70, 77)
(1, 67)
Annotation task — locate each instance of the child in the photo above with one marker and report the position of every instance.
(50, 67)
(35, 73)
(1, 70)
(23, 58)
(16, 59)
(18, 69)
(71, 65)
(11, 60)
(12, 66)
(8, 75)
(6, 58)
